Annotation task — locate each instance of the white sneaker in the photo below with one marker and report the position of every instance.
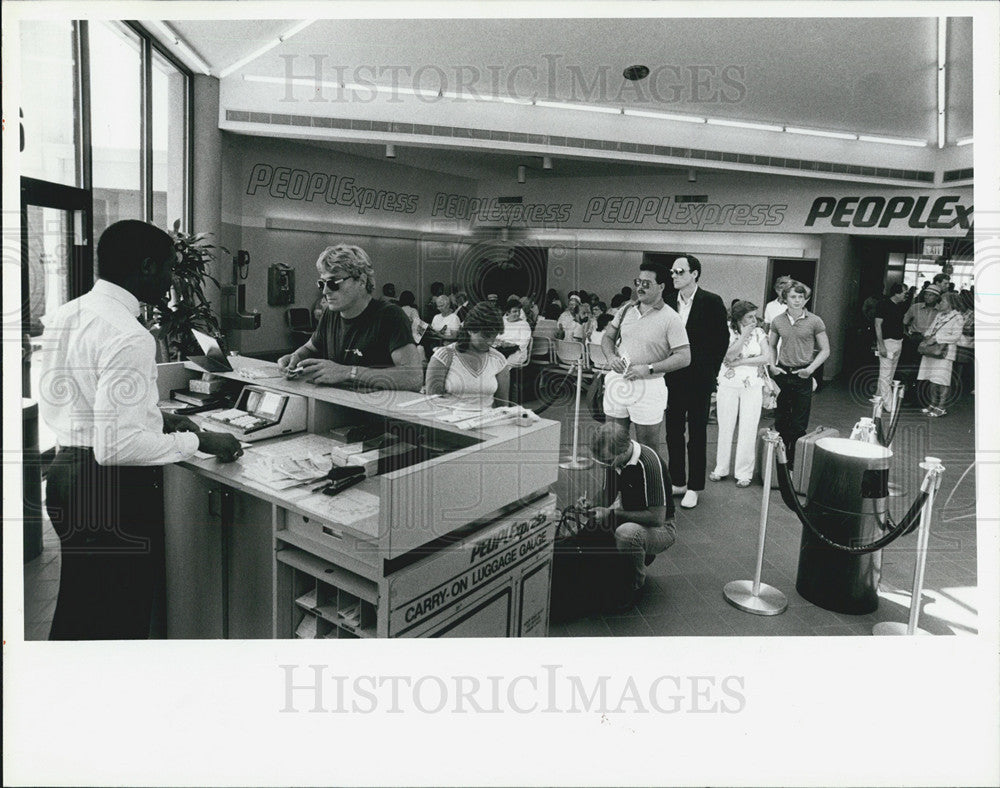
(690, 500)
(675, 490)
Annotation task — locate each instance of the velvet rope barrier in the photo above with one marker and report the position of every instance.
(907, 524)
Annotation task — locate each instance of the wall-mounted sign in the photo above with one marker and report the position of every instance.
(933, 247)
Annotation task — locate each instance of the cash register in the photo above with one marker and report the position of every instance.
(261, 413)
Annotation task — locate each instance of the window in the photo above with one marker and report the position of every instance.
(50, 147)
(923, 269)
(116, 124)
(169, 98)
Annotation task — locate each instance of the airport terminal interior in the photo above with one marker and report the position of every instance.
(560, 164)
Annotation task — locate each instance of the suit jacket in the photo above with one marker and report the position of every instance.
(708, 333)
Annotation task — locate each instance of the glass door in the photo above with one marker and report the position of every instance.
(56, 266)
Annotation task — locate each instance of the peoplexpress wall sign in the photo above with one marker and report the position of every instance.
(730, 206)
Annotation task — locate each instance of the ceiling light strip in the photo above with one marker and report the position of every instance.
(298, 27)
(742, 124)
(942, 60)
(893, 141)
(837, 135)
(430, 94)
(580, 107)
(643, 113)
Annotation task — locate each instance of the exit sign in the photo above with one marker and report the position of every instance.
(933, 247)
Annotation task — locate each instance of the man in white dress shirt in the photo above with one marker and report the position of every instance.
(98, 394)
(778, 306)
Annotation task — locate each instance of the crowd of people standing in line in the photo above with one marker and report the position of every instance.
(668, 350)
(926, 340)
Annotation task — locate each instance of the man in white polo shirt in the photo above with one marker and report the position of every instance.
(645, 340)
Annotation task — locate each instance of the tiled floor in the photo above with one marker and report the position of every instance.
(717, 542)
(41, 586)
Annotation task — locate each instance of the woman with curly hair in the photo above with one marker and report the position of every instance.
(470, 369)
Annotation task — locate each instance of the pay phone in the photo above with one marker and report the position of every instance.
(280, 284)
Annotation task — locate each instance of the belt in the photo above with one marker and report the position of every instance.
(791, 369)
(74, 450)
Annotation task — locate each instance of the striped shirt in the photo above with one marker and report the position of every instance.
(642, 482)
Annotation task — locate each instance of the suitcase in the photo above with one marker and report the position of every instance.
(758, 468)
(589, 575)
(804, 447)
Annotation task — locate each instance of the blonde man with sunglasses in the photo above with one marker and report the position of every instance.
(359, 339)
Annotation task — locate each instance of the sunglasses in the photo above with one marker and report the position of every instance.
(645, 284)
(678, 272)
(333, 285)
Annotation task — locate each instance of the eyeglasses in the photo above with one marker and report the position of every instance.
(678, 272)
(333, 285)
(645, 284)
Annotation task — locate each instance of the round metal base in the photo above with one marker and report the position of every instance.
(895, 628)
(769, 602)
(576, 464)
(894, 489)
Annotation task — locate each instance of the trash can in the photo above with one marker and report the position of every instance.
(32, 468)
(848, 488)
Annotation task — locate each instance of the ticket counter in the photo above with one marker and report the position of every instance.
(454, 539)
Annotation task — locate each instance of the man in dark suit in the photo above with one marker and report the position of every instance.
(689, 390)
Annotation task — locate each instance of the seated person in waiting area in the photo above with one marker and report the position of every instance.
(636, 498)
(445, 323)
(359, 338)
(470, 369)
(516, 335)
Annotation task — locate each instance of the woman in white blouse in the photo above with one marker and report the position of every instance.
(470, 369)
(741, 381)
(946, 330)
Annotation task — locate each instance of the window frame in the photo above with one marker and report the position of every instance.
(149, 44)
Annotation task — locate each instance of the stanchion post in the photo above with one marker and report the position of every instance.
(575, 462)
(876, 407)
(897, 395)
(752, 596)
(895, 398)
(932, 481)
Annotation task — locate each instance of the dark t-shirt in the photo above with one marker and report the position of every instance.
(366, 341)
(892, 318)
(642, 484)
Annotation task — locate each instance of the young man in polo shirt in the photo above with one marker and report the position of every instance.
(636, 499)
(653, 342)
(804, 348)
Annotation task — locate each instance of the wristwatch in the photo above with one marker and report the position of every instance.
(353, 374)
(650, 368)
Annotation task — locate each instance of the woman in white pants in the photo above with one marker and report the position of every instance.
(741, 381)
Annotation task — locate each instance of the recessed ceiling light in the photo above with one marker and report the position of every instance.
(635, 73)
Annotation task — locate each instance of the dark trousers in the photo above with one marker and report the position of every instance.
(687, 408)
(791, 417)
(906, 371)
(110, 525)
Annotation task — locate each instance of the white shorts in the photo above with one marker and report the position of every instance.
(642, 401)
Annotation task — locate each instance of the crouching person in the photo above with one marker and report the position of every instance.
(638, 507)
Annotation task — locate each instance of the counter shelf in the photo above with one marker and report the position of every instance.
(230, 538)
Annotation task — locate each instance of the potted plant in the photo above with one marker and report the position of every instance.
(186, 306)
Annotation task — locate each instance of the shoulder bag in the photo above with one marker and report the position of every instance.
(595, 394)
(928, 347)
